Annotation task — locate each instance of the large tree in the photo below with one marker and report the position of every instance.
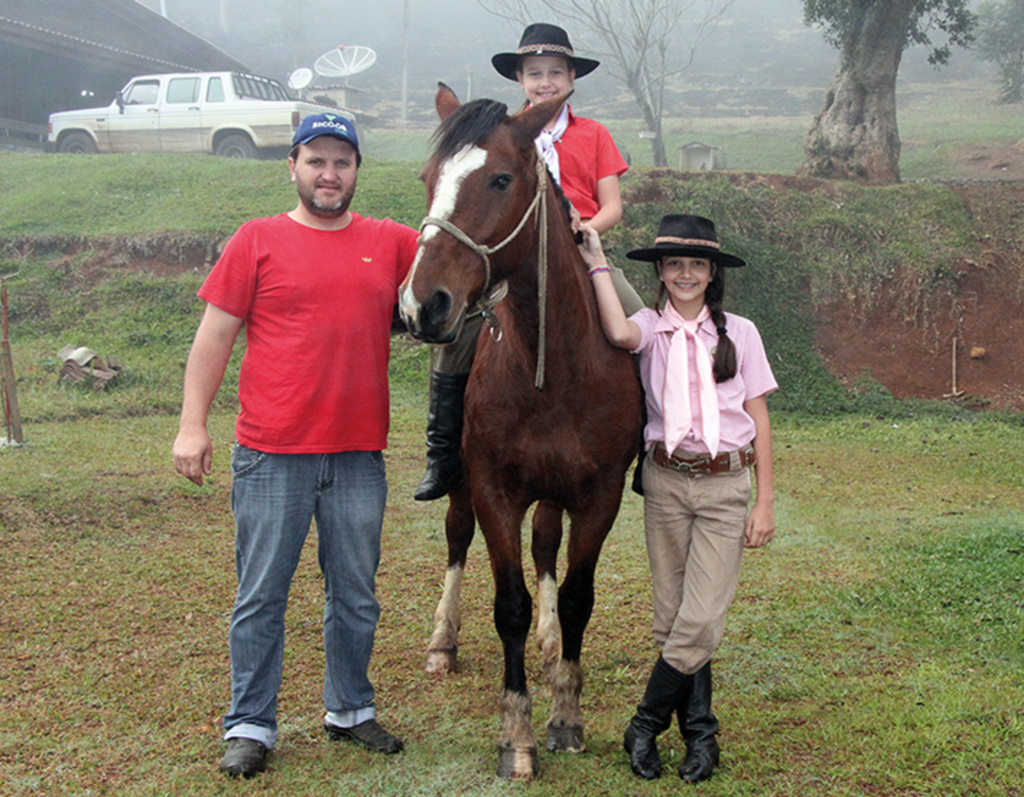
(1001, 41)
(855, 136)
(640, 42)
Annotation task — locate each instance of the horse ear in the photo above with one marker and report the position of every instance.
(529, 123)
(446, 102)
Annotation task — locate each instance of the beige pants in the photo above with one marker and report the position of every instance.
(694, 527)
(457, 356)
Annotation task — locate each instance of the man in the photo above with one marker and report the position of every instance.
(315, 289)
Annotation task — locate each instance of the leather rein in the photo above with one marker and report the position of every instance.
(490, 297)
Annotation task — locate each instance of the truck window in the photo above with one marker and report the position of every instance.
(215, 90)
(183, 89)
(259, 88)
(142, 92)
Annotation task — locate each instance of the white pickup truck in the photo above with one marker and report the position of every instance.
(225, 113)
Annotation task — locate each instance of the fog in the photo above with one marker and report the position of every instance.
(761, 58)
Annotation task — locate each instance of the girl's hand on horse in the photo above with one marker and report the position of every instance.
(590, 249)
(575, 220)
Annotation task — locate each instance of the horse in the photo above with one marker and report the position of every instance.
(552, 412)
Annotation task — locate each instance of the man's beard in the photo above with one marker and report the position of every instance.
(324, 210)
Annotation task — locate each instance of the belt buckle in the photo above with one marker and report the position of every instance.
(679, 465)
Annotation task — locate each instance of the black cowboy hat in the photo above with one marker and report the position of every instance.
(541, 38)
(688, 236)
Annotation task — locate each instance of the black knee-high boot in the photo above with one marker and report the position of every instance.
(444, 436)
(667, 689)
(699, 727)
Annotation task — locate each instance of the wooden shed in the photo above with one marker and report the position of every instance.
(696, 157)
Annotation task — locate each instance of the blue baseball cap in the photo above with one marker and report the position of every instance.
(326, 124)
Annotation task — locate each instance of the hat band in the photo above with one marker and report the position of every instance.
(538, 49)
(687, 242)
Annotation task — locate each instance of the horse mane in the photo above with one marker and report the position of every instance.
(471, 123)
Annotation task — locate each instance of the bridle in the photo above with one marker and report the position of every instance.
(491, 297)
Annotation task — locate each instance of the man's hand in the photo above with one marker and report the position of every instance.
(193, 455)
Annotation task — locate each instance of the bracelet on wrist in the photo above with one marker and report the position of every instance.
(595, 269)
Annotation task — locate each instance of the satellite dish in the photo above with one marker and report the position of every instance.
(345, 61)
(300, 78)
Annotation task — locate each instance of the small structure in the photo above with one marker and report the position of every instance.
(339, 95)
(696, 157)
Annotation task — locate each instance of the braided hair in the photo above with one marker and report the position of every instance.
(724, 366)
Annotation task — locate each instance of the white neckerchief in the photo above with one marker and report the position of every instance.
(546, 143)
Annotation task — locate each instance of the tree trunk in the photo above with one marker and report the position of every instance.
(854, 136)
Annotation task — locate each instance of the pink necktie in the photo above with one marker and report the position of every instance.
(676, 394)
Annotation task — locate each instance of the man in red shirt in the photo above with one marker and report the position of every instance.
(315, 290)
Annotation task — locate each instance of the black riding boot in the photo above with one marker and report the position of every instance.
(444, 436)
(667, 688)
(699, 727)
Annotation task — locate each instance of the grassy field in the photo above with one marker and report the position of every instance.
(876, 647)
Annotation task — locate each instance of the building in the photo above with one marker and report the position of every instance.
(58, 55)
(696, 157)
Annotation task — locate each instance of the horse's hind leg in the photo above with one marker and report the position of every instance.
(565, 725)
(443, 650)
(547, 537)
(575, 605)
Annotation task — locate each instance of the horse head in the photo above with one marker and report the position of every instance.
(483, 184)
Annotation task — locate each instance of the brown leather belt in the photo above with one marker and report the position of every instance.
(725, 462)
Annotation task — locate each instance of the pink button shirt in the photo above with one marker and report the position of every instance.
(753, 378)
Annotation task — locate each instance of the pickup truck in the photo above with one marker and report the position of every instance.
(232, 114)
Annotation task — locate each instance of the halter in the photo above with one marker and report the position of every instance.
(491, 298)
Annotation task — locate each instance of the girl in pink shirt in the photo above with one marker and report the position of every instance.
(706, 379)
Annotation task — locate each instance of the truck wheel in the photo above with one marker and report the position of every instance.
(236, 147)
(77, 144)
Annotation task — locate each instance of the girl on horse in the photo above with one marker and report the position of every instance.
(706, 379)
(583, 159)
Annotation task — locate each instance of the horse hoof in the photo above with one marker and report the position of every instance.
(440, 662)
(566, 739)
(516, 764)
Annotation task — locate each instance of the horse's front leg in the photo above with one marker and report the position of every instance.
(575, 605)
(513, 613)
(443, 649)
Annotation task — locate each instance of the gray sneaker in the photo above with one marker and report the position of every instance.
(245, 757)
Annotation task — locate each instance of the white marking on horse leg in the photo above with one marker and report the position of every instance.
(549, 630)
(565, 726)
(442, 652)
(517, 746)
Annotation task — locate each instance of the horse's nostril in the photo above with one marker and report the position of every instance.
(437, 309)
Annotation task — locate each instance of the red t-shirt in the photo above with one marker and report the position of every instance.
(317, 307)
(586, 154)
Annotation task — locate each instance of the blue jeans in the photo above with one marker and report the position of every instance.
(274, 498)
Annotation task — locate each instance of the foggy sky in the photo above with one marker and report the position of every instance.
(760, 45)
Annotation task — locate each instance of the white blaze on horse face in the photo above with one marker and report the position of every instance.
(453, 173)
(449, 182)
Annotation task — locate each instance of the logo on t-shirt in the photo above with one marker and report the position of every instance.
(367, 259)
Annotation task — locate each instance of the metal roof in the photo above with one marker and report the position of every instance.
(121, 33)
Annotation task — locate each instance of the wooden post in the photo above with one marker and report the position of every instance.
(11, 411)
(956, 392)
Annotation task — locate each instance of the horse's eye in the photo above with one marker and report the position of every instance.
(501, 182)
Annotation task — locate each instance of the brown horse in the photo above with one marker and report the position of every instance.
(552, 410)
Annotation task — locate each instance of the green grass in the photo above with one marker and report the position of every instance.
(133, 194)
(873, 648)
